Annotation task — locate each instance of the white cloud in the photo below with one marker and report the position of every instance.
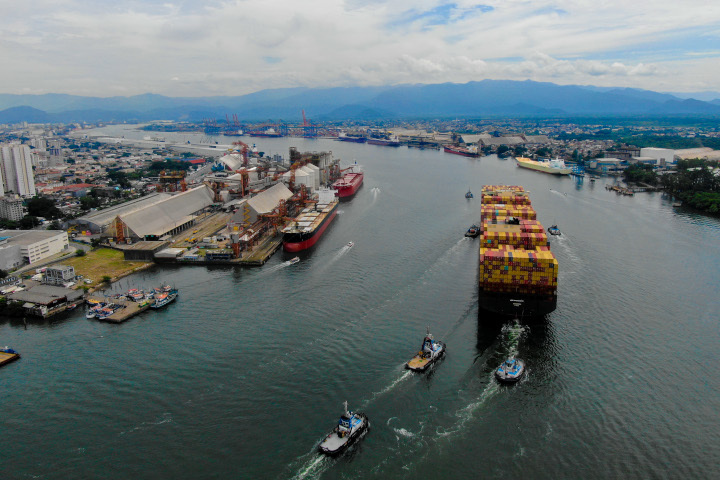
(187, 48)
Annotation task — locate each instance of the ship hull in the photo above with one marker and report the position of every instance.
(460, 151)
(349, 185)
(296, 242)
(516, 304)
(544, 168)
(352, 139)
(383, 143)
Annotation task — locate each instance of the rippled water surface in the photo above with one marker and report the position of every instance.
(246, 372)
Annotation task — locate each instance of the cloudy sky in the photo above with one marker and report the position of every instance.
(196, 48)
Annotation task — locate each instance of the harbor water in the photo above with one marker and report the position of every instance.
(246, 372)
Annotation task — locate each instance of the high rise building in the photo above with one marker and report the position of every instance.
(16, 174)
(11, 208)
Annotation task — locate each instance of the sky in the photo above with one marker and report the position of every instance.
(191, 48)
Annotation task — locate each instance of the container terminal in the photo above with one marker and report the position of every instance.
(517, 272)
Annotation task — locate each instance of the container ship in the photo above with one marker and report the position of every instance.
(464, 151)
(309, 226)
(517, 271)
(555, 167)
(350, 182)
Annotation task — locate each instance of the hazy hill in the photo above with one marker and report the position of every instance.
(483, 98)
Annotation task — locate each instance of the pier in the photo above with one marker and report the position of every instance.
(6, 358)
(123, 314)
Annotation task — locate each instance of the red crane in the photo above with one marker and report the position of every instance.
(244, 147)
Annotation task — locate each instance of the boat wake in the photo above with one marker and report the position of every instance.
(314, 466)
(407, 374)
(512, 334)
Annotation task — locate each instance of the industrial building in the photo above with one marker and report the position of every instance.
(249, 210)
(664, 156)
(167, 217)
(18, 247)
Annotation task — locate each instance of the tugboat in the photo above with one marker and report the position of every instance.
(510, 371)
(350, 427)
(473, 231)
(469, 194)
(430, 352)
(554, 230)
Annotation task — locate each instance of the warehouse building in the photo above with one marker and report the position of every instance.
(166, 217)
(19, 247)
(261, 204)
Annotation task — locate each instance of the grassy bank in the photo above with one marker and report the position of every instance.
(101, 262)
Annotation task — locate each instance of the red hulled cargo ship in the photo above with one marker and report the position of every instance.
(350, 182)
(312, 222)
(464, 151)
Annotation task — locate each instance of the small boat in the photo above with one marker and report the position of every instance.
(469, 194)
(294, 260)
(473, 231)
(350, 427)
(430, 352)
(164, 298)
(9, 350)
(350, 244)
(677, 204)
(510, 371)
(553, 230)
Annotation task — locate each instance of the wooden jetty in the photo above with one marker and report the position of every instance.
(6, 358)
(124, 314)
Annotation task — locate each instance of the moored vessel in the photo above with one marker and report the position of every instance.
(344, 137)
(517, 273)
(510, 371)
(350, 428)
(309, 226)
(430, 352)
(350, 182)
(555, 166)
(470, 151)
(384, 142)
(164, 298)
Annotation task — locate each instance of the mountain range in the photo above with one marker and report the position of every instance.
(446, 100)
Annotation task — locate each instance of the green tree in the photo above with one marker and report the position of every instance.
(3, 273)
(28, 222)
(39, 206)
(106, 279)
(79, 252)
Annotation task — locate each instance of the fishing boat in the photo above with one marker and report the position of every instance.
(430, 352)
(510, 371)
(473, 231)
(469, 194)
(554, 230)
(351, 427)
(164, 298)
(136, 294)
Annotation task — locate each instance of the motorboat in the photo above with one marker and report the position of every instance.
(350, 244)
(430, 352)
(294, 260)
(473, 231)
(469, 194)
(510, 371)
(553, 230)
(351, 427)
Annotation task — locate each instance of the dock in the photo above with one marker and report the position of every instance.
(124, 314)
(6, 358)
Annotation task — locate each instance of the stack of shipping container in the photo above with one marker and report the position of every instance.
(515, 256)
